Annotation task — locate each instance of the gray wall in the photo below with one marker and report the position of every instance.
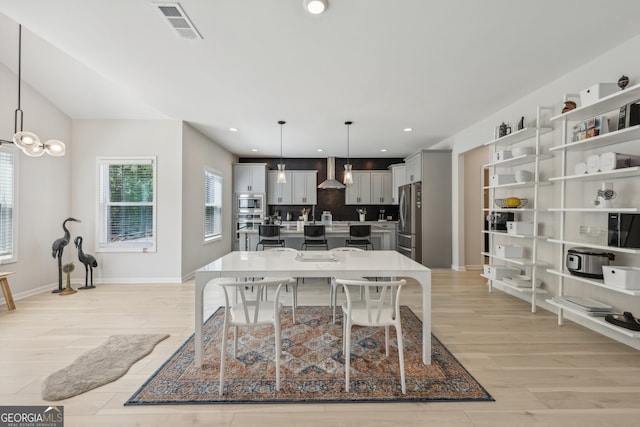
(43, 193)
(199, 153)
(130, 138)
(436, 208)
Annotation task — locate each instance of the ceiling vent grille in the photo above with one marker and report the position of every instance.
(177, 20)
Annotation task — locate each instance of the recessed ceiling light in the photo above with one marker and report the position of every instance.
(316, 7)
(254, 149)
(319, 150)
(407, 129)
(233, 129)
(384, 150)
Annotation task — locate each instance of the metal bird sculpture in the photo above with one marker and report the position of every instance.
(89, 263)
(58, 247)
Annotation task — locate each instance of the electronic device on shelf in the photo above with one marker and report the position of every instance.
(624, 230)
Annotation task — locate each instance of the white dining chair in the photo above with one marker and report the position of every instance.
(288, 281)
(251, 311)
(382, 311)
(332, 291)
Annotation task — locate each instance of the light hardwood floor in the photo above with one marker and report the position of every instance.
(539, 373)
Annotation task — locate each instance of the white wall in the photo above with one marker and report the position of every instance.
(199, 152)
(606, 68)
(123, 138)
(43, 188)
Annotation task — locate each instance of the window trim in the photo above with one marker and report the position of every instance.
(213, 237)
(147, 246)
(16, 205)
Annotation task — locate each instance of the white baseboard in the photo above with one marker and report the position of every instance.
(76, 283)
(136, 281)
(455, 267)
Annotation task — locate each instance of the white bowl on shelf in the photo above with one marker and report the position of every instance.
(521, 151)
(523, 176)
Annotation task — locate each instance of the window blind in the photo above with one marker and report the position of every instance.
(212, 205)
(7, 204)
(127, 203)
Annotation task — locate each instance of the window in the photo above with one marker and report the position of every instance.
(212, 205)
(127, 205)
(7, 207)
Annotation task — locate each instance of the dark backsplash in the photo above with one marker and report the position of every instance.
(330, 199)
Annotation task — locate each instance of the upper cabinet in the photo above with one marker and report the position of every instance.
(250, 178)
(369, 188)
(413, 166)
(304, 187)
(381, 188)
(359, 193)
(300, 188)
(398, 179)
(278, 194)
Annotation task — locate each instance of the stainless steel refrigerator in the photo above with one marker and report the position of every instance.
(409, 239)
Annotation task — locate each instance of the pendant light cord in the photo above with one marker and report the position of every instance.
(19, 109)
(281, 122)
(348, 125)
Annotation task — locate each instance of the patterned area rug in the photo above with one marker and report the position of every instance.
(312, 366)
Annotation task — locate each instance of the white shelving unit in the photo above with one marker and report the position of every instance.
(601, 107)
(528, 136)
(596, 320)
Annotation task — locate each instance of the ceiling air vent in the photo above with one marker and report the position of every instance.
(177, 20)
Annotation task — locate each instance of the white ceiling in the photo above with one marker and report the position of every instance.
(435, 66)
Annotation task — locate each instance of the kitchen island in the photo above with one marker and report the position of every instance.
(383, 235)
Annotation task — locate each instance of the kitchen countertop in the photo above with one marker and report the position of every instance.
(382, 234)
(290, 227)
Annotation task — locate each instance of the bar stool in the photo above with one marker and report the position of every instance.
(360, 236)
(314, 237)
(269, 236)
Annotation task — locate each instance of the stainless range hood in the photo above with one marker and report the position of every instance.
(331, 181)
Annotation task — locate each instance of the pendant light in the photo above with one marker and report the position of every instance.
(348, 177)
(29, 142)
(281, 177)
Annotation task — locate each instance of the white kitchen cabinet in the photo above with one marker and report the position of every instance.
(369, 188)
(300, 188)
(398, 179)
(575, 207)
(381, 188)
(413, 165)
(250, 178)
(359, 193)
(304, 189)
(518, 151)
(279, 194)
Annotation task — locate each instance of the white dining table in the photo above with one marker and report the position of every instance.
(244, 264)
